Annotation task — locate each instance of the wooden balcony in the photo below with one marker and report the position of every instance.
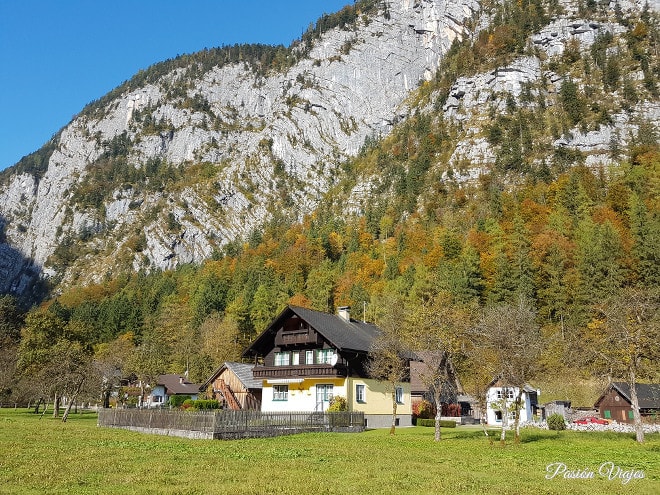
(301, 371)
(297, 337)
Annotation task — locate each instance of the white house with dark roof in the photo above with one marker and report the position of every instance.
(168, 386)
(501, 397)
(304, 358)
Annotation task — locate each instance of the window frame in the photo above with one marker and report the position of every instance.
(324, 356)
(328, 392)
(279, 360)
(280, 393)
(360, 393)
(399, 395)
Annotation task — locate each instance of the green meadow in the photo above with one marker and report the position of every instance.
(45, 456)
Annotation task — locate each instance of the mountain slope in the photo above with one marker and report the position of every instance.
(260, 136)
(197, 152)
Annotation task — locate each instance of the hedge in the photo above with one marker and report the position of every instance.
(445, 423)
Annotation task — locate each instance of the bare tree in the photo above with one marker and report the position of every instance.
(389, 356)
(110, 362)
(624, 339)
(511, 340)
(435, 333)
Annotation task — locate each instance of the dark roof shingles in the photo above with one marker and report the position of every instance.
(344, 335)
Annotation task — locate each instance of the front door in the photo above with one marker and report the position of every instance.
(323, 396)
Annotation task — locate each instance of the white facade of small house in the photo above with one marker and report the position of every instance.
(297, 394)
(157, 397)
(499, 397)
(168, 385)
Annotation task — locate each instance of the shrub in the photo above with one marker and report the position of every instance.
(424, 410)
(178, 400)
(205, 404)
(338, 404)
(444, 423)
(187, 404)
(556, 422)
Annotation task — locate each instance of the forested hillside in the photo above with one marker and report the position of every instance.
(570, 232)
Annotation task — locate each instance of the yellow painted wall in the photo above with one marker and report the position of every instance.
(378, 398)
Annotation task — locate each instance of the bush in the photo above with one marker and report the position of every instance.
(205, 404)
(424, 410)
(338, 404)
(556, 422)
(178, 400)
(444, 423)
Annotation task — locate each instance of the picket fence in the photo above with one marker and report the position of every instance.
(227, 424)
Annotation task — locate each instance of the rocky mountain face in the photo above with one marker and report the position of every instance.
(172, 169)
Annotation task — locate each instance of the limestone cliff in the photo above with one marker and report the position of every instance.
(168, 169)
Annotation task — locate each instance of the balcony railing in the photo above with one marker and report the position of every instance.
(300, 371)
(306, 336)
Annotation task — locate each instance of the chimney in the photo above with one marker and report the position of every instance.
(344, 312)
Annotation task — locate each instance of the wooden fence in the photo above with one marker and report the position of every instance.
(226, 424)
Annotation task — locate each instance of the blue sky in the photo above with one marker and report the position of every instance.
(58, 55)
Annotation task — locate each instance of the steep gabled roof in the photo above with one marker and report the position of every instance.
(242, 371)
(177, 385)
(648, 394)
(344, 335)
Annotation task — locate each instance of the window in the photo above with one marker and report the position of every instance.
(324, 356)
(282, 358)
(309, 357)
(607, 414)
(631, 414)
(280, 392)
(158, 398)
(324, 393)
(398, 395)
(360, 394)
(509, 393)
(498, 416)
(295, 358)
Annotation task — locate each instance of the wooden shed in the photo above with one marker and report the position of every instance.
(233, 385)
(615, 402)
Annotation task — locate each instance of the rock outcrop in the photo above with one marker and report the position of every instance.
(352, 85)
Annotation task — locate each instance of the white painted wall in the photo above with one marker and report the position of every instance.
(301, 397)
(494, 404)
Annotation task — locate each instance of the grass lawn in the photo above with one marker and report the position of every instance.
(46, 456)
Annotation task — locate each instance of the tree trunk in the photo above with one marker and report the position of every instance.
(72, 400)
(516, 424)
(438, 413)
(393, 427)
(56, 406)
(637, 417)
(505, 416)
(36, 408)
(483, 420)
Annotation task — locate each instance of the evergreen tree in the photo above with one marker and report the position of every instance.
(645, 230)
